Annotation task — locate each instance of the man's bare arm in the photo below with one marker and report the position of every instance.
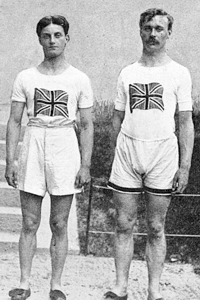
(12, 139)
(186, 143)
(86, 146)
(118, 117)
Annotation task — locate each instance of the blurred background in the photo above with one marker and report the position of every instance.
(104, 38)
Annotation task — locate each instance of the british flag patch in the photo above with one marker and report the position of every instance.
(146, 96)
(51, 103)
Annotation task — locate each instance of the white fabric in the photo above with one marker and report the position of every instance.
(152, 163)
(49, 161)
(150, 96)
(52, 100)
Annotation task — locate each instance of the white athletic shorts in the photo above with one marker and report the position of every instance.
(49, 161)
(144, 165)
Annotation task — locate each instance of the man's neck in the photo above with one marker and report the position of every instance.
(154, 59)
(53, 66)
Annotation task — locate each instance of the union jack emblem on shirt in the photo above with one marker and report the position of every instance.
(51, 103)
(146, 96)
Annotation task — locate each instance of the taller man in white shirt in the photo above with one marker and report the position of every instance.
(146, 154)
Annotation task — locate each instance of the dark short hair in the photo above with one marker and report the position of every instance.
(56, 19)
(152, 12)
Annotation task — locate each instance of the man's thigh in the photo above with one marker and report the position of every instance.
(31, 176)
(157, 207)
(162, 168)
(62, 161)
(60, 207)
(125, 175)
(30, 205)
(126, 207)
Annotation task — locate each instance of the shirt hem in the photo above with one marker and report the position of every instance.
(153, 140)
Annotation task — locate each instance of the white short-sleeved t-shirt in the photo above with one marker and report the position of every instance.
(52, 100)
(149, 97)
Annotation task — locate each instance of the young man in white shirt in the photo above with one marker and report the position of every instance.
(50, 160)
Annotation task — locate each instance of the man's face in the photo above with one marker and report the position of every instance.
(155, 33)
(53, 40)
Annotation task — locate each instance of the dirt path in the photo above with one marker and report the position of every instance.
(88, 278)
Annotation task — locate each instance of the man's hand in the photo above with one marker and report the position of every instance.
(180, 180)
(11, 175)
(83, 177)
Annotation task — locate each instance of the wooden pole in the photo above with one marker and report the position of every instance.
(88, 217)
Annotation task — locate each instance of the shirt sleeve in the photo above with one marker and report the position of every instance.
(17, 93)
(86, 93)
(120, 101)
(184, 92)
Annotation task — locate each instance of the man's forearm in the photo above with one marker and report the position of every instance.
(116, 126)
(116, 129)
(12, 139)
(186, 142)
(86, 145)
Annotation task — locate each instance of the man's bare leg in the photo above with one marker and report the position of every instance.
(31, 216)
(60, 208)
(126, 214)
(157, 207)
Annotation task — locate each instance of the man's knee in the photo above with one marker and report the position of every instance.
(58, 224)
(125, 223)
(30, 223)
(155, 229)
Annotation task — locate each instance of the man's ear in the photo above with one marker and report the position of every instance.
(67, 38)
(169, 32)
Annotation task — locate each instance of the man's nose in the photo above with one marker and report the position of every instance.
(153, 32)
(52, 39)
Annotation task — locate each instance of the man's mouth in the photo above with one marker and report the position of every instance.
(153, 42)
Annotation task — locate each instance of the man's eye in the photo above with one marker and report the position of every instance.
(147, 28)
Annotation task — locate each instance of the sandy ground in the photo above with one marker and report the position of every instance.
(88, 278)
